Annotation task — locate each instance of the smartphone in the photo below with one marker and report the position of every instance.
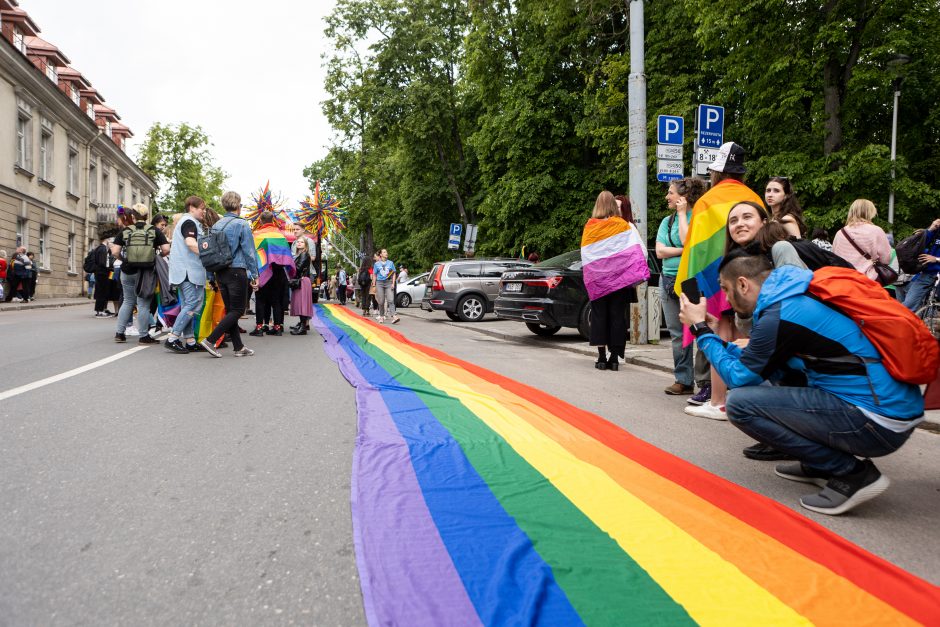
(691, 291)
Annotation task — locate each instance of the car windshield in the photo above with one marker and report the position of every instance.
(570, 261)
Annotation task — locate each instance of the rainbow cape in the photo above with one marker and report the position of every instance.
(272, 248)
(612, 256)
(705, 242)
(479, 500)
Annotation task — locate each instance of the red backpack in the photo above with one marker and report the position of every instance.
(909, 351)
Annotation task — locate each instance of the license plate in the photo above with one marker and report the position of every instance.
(513, 287)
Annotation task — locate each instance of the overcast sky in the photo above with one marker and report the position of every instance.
(248, 72)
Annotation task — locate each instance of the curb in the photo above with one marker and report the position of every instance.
(928, 424)
(41, 305)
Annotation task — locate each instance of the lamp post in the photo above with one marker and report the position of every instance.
(895, 65)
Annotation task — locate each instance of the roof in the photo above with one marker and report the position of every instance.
(70, 73)
(106, 111)
(37, 45)
(117, 127)
(20, 17)
(92, 94)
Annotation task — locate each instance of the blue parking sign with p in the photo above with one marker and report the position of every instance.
(711, 125)
(670, 130)
(456, 228)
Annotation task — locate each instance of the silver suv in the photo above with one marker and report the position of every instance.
(465, 289)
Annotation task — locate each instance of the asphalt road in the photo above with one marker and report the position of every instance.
(167, 489)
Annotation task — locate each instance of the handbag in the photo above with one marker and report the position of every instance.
(884, 274)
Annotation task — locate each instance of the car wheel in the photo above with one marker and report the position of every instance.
(543, 330)
(584, 324)
(452, 316)
(471, 308)
(404, 300)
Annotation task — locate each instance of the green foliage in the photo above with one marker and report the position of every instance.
(512, 114)
(178, 158)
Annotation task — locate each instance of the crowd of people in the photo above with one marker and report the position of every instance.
(798, 375)
(18, 276)
(156, 268)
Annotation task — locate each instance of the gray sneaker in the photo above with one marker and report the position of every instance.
(244, 351)
(804, 474)
(844, 493)
(206, 344)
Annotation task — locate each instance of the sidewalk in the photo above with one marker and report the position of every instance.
(47, 303)
(654, 356)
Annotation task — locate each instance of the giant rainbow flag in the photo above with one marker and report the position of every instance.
(272, 248)
(480, 500)
(705, 242)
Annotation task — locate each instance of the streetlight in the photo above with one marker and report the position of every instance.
(895, 65)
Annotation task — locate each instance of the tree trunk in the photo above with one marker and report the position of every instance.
(451, 181)
(833, 104)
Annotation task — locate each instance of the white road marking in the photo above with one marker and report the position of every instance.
(71, 373)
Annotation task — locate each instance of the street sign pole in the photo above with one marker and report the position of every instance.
(636, 97)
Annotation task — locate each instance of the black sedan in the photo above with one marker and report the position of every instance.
(551, 295)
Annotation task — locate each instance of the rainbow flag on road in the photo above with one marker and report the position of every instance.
(612, 256)
(705, 242)
(272, 248)
(479, 500)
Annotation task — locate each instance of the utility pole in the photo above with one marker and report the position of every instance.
(636, 97)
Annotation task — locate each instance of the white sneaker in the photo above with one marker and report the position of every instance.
(131, 331)
(707, 410)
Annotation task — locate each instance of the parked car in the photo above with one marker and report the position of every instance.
(465, 289)
(411, 290)
(551, 295)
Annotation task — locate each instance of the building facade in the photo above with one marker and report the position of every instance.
(63, 168)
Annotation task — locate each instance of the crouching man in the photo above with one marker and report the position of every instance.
(851, 407)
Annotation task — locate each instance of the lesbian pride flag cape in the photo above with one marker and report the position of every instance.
(272, 247)
(479, 500)
(612, 256)
(705, 242)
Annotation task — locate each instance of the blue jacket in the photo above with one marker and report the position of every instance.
(932, 247)
(790, 329)
(242, 243)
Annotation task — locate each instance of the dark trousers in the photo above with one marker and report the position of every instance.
(233, 285)
(269, 299)
(609, 321)
(341, 294)
(102, 291)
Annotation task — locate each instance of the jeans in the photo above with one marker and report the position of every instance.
(681, 356)
(191, 298)
(233, 285)
(385, 296)
(819, 429)
(129, 288)
(918, 290)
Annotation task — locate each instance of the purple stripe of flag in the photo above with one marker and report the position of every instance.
(378, 440)
(623, 269)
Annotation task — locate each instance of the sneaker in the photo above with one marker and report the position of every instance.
(276, 331)
(175, 346)
(244, 351)
(99, 314)
(380, 319)
(17, 299)
(258, 332)
(209, 348)
(195, 348)
(707, 410)
(844, 493)
(120, 338)
(396, 320)
(108, 314)
(132, 331)
(703, 396)
(677, 389)
(802, 473)
(146, 339)
(765, 453)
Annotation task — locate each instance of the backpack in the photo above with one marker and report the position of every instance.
(214, 250)
(815, 257)
(909, 249)
(91, 261)
(365, 279)
(138, 246)
(908, 350)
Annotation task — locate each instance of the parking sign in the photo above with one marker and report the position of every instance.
(670, 130)
(711, 126)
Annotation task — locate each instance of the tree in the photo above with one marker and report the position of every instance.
(178, 158)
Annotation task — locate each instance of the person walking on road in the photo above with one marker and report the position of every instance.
(235, 281)
(384, 272)
(301, 300)
(102, 282)
(341, 280)
(188, 274)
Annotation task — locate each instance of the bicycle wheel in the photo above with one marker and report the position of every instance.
(930, 314)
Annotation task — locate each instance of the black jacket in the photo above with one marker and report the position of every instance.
(302, 263)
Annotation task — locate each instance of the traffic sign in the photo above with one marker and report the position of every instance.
(672, 153)
(456, 228)
(710, 123)
(671, 129)
(453, 240)
(470, 243)
(667, 170)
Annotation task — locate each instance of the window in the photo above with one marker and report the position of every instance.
(93, 180)
(73, 168)
(120, 197)
(45, 151)
(105, 185)
(51, 72)
(22, 233)
(71, 252)
(44, 247)
(24, 135)
(73, 94)
(90, 109)
(19, 42)
(133, 197)
(107, 127)
(464, 270)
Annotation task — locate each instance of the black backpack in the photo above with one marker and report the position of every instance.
(91, 264)
(909, 249)
(815, 257)
(365, 279)
(214, 251)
